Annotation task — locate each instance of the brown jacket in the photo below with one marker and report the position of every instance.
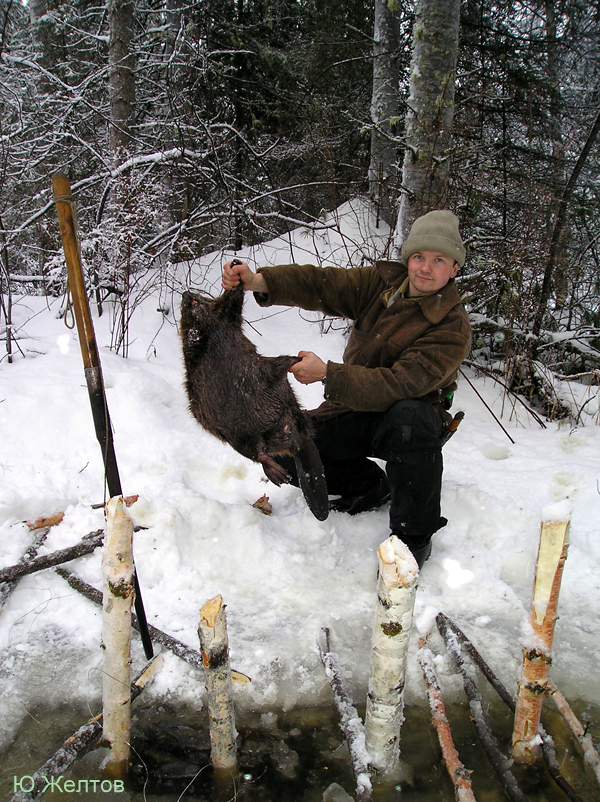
(411, 349)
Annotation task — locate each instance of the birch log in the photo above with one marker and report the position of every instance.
(396, 588)
(552, 553)
(212, 633)
(590, 753)
(460, 776)
(118, 594)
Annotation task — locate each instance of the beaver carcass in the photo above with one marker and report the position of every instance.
(244, 398)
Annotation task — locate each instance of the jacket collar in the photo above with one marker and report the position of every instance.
(436, 306)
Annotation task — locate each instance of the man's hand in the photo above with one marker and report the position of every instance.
(234, 273)
(310, 369)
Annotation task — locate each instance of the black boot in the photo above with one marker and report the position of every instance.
(372, 499)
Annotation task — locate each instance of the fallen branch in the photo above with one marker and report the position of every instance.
(79, 742)
(459, 775)
(86, 546)
(350, 722)
(547, 742)
(7, 587)
(499, 762)
(590, 753)
(57, 517)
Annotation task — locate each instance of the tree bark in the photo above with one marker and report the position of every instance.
(552, 553)
(212, 632)
(396, 590)
(118, 593)
(6, 588)
(350, 722)
(385, 109)
(458, 774)
(428, 127)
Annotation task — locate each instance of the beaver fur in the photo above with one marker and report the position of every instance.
(244, 398)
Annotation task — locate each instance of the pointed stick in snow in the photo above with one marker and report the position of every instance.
(350, 722)
(499, 762)
(396, 589)
(118, 593)
(552, 553)
(590, 753)
(460, 776)
(212, 633)
(87, 735)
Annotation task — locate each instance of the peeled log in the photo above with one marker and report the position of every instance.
(396, 588)
(212, 633)
(117, 600)
(552, 553)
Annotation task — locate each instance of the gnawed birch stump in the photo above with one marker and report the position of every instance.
(81, 740)
(499, 762)
(590, 753)
(396, 588)
(350, 722)
(85, 546)
(552, 553)
(460, 776)
(212, 632)
(118, 595)
(502, 691)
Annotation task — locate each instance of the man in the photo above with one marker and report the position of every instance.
(389, 396)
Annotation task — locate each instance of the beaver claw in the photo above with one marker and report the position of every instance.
(273, 471)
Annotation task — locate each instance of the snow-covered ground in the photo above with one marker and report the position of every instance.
(282, 576)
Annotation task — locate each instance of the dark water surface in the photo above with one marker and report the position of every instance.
(287, 757)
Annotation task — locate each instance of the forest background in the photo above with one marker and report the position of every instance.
(189, 128)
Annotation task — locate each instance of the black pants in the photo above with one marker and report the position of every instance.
(407, 437)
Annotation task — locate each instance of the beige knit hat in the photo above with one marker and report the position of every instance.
(435, 231)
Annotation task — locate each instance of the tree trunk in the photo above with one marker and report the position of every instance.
(118, 592)
(385, 108)
(396, 589)
(526, 743)
(430, 113)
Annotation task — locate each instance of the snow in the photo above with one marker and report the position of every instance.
(286, 575)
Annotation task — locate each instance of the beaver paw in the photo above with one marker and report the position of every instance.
(273, 470)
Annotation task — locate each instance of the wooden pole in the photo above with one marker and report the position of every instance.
(87, 545)
(118, 592)
(91, 363)
(590, 753)
(459, 775)
(212, 633)
(396, 589)
(350, 722)
(552, 553)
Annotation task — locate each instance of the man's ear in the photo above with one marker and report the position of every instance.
(454, 269)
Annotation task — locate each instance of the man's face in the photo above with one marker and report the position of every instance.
(429, 271)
